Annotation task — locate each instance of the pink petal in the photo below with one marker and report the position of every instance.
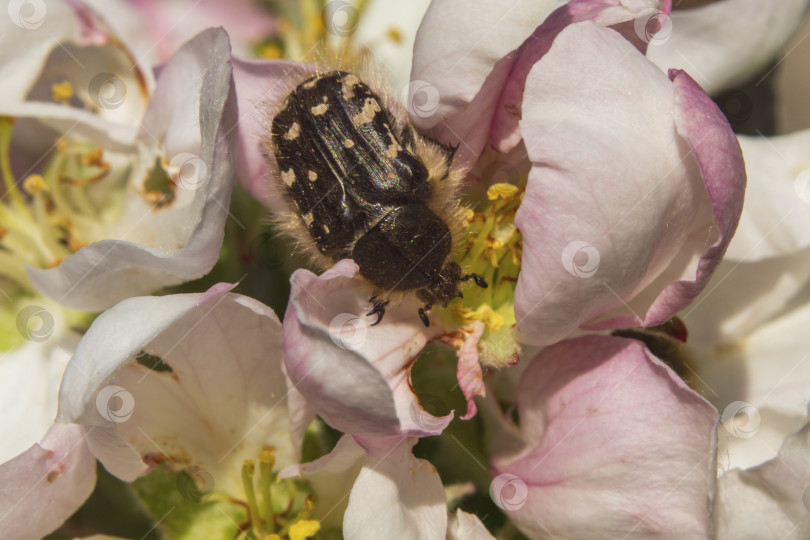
(261, 85)
(155, 29)
(616, 445)
(720, 160)
(468, 372)
(505, 133)
(616, 208)
(356, 376)
(43, 486)
(459, 69)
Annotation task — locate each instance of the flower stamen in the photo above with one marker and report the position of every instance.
(494, 252)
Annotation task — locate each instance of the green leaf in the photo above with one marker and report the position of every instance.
(185, 513)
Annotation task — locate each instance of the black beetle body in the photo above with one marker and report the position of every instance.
(370, 188)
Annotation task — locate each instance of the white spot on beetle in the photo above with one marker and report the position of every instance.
(393, 150)
(318, 110)
(326, 229)
(288, 177)
(308, 218)
(348, 83)
(348, 143)
(312, 176)
(293, 132)
(366, 115)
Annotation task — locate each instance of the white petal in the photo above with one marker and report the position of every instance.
(396, 496)
(769, 256)
(464, 526)
(769, 501)
(776, 217)
(724, 42)
(226, 392)
(764, 382)
(332, 477)
(29, 388)
(381, 17)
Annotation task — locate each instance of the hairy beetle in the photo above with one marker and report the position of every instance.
(367, 186)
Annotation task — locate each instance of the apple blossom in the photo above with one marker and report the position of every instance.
(192, 380)
(655, 211)
(127, 199)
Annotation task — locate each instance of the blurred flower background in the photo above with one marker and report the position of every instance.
(637, 196)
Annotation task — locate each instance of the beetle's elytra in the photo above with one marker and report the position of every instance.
(368, 187)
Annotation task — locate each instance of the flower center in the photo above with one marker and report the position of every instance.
(278, 509)
(46, 217)
(314, 25)
(494, 252)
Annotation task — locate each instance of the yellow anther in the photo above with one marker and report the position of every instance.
(501, 191)
(304, 529)
(153, 197)
(62, 91)
(75, 245)
(271, 51)
(34, 183)
(93, 157)
(460, 311)
(489, 317)
(267, 456)
(394, 34)
(249, 467)
(309, 506)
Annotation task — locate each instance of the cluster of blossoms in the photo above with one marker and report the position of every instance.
(629, 372)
